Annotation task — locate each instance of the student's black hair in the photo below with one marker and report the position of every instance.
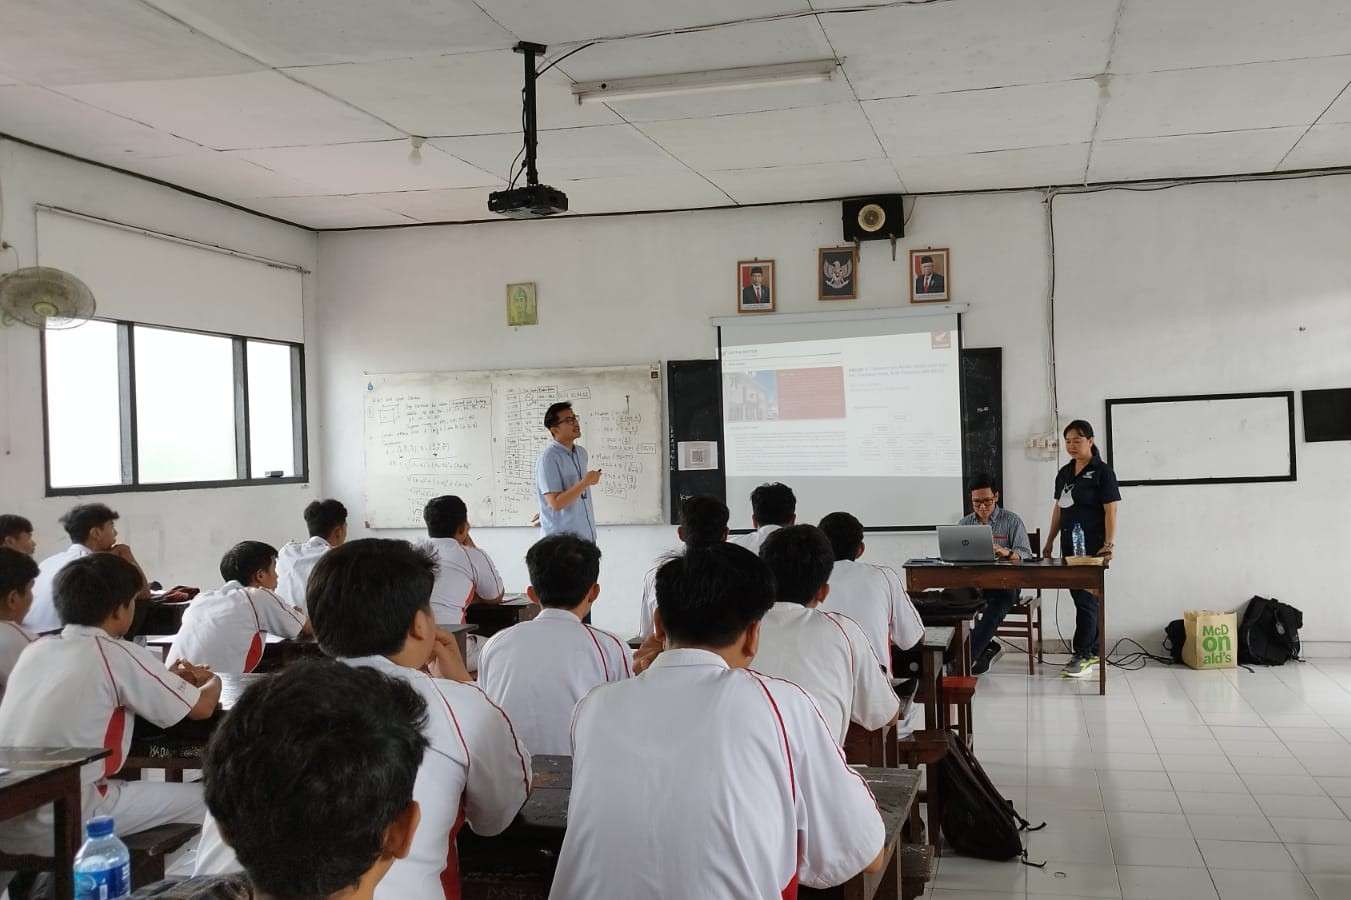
(845, 534)
(90, 589)
(1084, 429)
(309, 769)
(554, 413)
(362, 596)
(245, 560)
(444, 515)
(801, 559)
(85, 518)
(562, 569)
(981, 481)
(709, 595)
(14, 526)
(703, 520)
(323, 517)
(773, 504)
(16, 571)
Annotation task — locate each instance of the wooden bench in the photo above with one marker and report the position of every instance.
(149, 850)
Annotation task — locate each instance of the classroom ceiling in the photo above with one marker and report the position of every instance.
(302, 109)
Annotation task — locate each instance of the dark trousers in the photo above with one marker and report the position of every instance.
(997, 606)
(1085, 624)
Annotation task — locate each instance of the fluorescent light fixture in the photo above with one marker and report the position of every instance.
(613, 89)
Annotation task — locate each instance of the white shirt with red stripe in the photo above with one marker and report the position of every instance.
(875, 598)
(538, 670)
(698, 780)
(295, 562)
(475, 770)
(462, 573)
(42, 615)
(14, 639)
(830, 657)
(226, 628)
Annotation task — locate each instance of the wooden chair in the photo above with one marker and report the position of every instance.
(927, 748)
(1026, 615)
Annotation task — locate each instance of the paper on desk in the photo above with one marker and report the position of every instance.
(515, 600)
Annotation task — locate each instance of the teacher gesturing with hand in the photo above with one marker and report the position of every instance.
(562, 479)
(1086, 496)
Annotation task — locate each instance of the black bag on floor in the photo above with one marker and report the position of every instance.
(1174, 637)
(948, 602)
(977, 820)
(1269, 633)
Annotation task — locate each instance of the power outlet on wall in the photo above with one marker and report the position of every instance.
(1043, 446)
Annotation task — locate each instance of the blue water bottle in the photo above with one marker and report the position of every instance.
(1078, 538)
(103, 865)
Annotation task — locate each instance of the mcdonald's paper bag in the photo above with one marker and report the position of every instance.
(1211, 639)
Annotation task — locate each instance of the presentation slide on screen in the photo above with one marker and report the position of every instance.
(869, 423)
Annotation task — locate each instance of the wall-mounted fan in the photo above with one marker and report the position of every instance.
(44, 298)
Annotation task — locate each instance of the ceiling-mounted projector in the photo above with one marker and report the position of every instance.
(535, 200)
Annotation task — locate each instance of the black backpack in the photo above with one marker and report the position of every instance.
(1174, 637)
(1269, 633)
(977, 820)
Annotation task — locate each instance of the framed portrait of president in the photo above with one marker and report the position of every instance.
(755, 286)
(930, 276)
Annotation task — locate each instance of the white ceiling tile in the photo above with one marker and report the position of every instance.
(369, 167)
(327, 212)
(1030, 167)
(814, 182)
(1191, 155)
(1323, 147)
(78, 41)
(310, 32)
(262, 109)
(1228, 98)
(940, 47)
(222, 175)
(1177, 34)
(635, 193)
(781, 137)
(470, 93)
(44, 117)
(457, 205)
(578, 20)
(975, 121)
(574, 153)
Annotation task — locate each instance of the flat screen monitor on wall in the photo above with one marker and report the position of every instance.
(1327, 415)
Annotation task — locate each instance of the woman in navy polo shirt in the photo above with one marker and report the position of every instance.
(1086, 495)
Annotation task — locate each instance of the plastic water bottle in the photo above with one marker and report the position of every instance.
(1077, 536)
(103, 865)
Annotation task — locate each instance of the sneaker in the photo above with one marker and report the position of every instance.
(1080, 668)
(992, 651)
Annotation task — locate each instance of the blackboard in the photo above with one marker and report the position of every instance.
(982, 415)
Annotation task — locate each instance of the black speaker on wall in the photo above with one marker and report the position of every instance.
(876, 218)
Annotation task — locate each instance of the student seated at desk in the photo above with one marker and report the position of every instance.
(371, 607)
(702, 778)
(225, 629)
(773, 506)
(323, 806)
(82, 690)
(17, 572)
(826, 653)
(93, 529)
(327, 524)
(16, 533)
(703, 521)
(538, 670)
(464, 573)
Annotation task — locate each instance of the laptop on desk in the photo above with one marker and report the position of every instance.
(965, 543)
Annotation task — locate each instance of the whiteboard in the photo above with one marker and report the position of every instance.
(1202, 439)
(477, 435)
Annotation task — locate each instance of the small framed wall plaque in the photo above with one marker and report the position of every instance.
(522, 306)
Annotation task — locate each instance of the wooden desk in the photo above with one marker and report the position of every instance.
(934, 645)
(1043, 574)
(494, 617)
(39, 776)
(181, 746)
(530, 845)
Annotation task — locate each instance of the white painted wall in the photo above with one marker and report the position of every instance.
(178, 536)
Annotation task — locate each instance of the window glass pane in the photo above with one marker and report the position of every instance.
(185, 406)
(271, 436)
(84, 437)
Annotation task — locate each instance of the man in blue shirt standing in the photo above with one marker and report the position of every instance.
(562, 479)
(1010, 543)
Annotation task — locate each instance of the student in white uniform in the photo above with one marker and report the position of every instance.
(826, 653)
(773, 506)
(93, 529)
(538, 670)
(327, 524)
(16, 533)
(324, 807)
(701, 778)
(372, 608)
(82, 690)
(226, 629)
(464, 573)
(703, 521)
(17, 572)
(873, 596)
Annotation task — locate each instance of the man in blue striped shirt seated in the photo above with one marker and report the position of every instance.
(1010, 542)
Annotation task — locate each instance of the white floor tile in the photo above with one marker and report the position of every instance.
(1336, 786)
(1311, 831)
(1131, 850)
(1135, 781)
(958, 873)
(1246, 855)
(1203, 803)
(1266, 765)
(1303, 785)
(1192, 762)
(1217, 782)
(1321, 859)
(1232, 828)
(1152, 883)
(940, 894)
(1300, 807)
(1116, 800)
(1127, 762)
(1077, 798)
(1239, 885)
(1184, 746)
(1061, 879)
(1331, 887)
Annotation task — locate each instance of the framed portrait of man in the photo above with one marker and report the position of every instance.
(930, 276)
(755, 286)
(837, 273)
(522, 307)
